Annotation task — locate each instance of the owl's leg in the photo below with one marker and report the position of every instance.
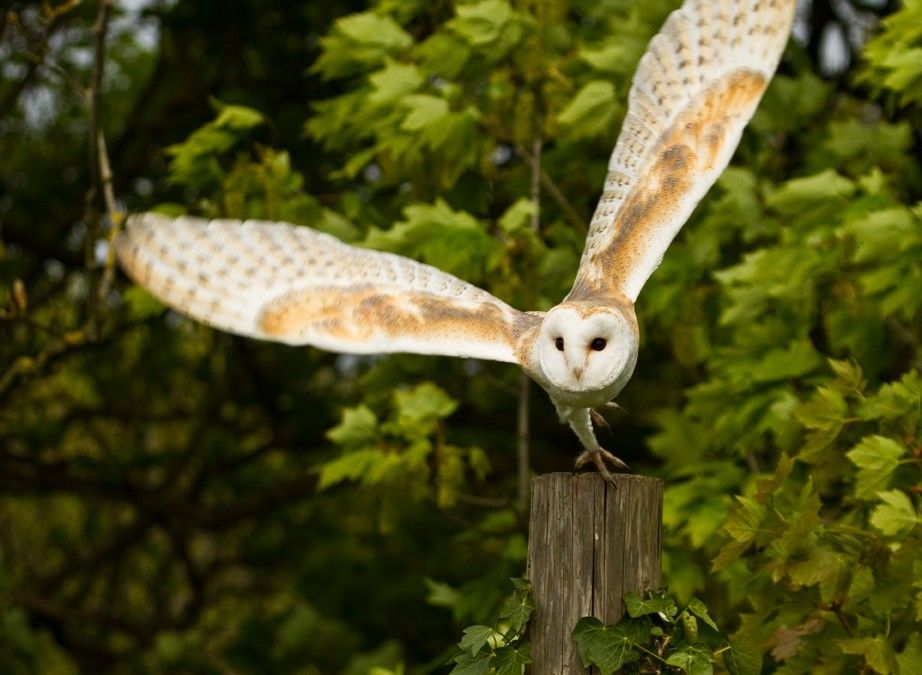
(600, 421)
(579, 420)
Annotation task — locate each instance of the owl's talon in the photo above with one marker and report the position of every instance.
(599, 457)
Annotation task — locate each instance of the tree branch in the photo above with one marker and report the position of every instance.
(101, 173)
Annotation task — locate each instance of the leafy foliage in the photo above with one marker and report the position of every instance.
(499, 649)
(655, 637)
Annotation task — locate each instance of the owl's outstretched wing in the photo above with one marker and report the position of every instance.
(694, 91)
(292, 284)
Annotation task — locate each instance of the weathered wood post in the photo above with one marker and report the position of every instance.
(589, 543)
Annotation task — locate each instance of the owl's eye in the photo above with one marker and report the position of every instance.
(598, 344)
(559, 344)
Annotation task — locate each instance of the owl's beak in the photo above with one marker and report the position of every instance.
(578, 372)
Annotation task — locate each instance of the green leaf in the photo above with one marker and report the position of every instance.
(699, 609)
(910, 659)
(825, 411)
(475, 638)
(618, 56)
(453, 241)
(482, 23)
(141, 304)
(591, 110)
(607, 647)
(424, 111)
(465, 664)
(358, 426)
(798, 358)
(694, 659)
(350, 466)
(745, 522)
(511, 660)
(393, 82)
(877, 457)
(895, 399)
(821, 567)
(420, 408)
(877, 652)
(518, 215)
(743, 658)
(441, 594)
(658, 602)
(194, 161)
(896, 515)
(518, 607)
(799, 194)
(360, 42)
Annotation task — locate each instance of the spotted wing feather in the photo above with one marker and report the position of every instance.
(292, 284)
(695, 89)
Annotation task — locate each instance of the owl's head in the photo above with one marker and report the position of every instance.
(583, 349)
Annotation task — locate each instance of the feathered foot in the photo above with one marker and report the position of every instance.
(598, 419)
(599, 457)
(579, 421)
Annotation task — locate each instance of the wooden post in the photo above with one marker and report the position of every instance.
(589, 543)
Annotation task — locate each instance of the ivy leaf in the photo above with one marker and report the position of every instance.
(518, 607)
(743, 658)
(590, 111)
(694, 659)
(657, 603)
(699, 609)
(896, 515)
(877, 458)
(511, 660)
(607, 647)
(876, 651)
(475, 638)
(465, 664)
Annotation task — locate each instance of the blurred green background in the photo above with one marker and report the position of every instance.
(174, 499)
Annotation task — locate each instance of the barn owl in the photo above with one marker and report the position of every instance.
(695, 89)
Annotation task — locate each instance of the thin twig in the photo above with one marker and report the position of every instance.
(553, 190)
(101, 172)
